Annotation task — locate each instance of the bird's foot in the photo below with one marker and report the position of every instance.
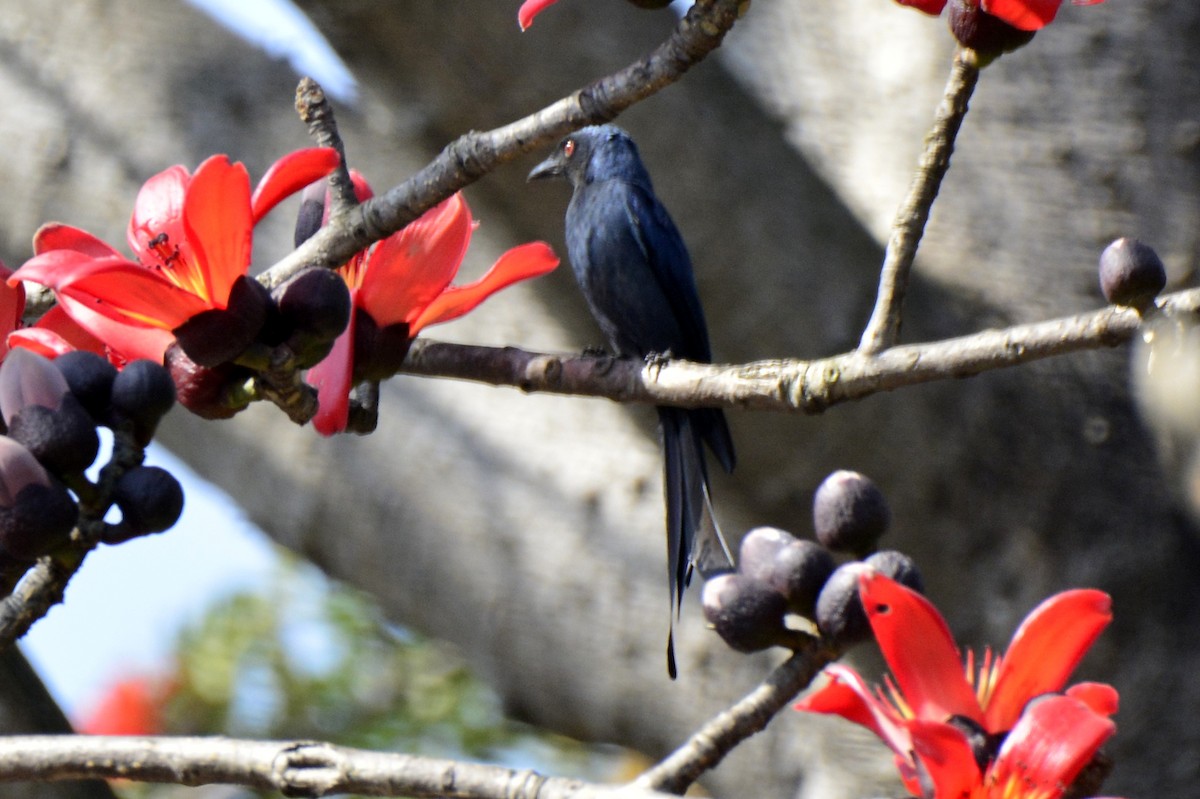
(657, 360)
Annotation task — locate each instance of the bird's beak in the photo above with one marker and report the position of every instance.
(552, 167)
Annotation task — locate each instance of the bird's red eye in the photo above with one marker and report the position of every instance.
(569, 148)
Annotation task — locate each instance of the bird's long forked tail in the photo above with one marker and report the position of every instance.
(685, 484)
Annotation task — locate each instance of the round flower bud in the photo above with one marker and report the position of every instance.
(759, 547)
(203, 391)
(43, 415)
(989, 36)
(36, 513)
(1131, 273)
(90, 378)
(899, 567)
(840, 615)
(850, 513)
(63, 440)
(799, 572)
(746, 613)
(314, 309)
(39, 521)
(142, 393)
(150, 500)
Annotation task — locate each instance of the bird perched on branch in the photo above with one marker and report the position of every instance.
(635, 273)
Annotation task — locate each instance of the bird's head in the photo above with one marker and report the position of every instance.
(599, 152)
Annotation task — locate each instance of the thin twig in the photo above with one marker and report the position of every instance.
(786, 384)
(709, 745)
(293, 768)
(316, 112)
(883, 329)
(475, 154)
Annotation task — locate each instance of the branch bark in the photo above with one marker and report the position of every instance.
(785, 384)
(294, 768)
(475, 154)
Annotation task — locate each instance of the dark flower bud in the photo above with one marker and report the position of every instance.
(746, 613)
(64, 441)
(850, 513)
(799, 572)
(759, 547)
(208, 393)
(989, 36)
(36, 513)
(311, 213)
(89, 377)
(840, 615)
(150, 500)
(899, 567)
(142, 393)
(44, 416)
(1131, 273)
(217, 336)
(378, 351)
(314, 309)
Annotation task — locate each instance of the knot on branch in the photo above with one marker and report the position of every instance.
(309, 768)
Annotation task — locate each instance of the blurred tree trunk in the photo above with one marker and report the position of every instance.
(528, 529)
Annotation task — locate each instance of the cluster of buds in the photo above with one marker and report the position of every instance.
(50, 411)
(218, 353)
(779, 575)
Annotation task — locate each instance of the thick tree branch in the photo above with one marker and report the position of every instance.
(883, 329)
(294, 768)
(475, 154)
(785, 384)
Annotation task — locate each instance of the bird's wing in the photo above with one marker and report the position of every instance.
(671, 267)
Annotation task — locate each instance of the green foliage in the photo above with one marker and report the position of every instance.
(309, 658)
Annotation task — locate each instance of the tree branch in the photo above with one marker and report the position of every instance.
(294, 768)
(785, 384)
(883, 329)
(709, 745)
(475, 154)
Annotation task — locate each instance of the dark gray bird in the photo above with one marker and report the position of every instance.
(636, 275)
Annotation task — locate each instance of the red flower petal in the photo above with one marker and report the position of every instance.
(217, 223)
(1100, 697)
(44, 342)
(12, 305)
(115, 287)
(409, 269)
(290, 174)
(846, 695)
(333, 378)
(919, 650)
(526, 261)
(130, 707)
(121, 342)
(946, 759)
(1028, 15)
(158, 209)
(530, 9)
(1053, 740)
(1044, 651)
(933, 7)
(56, 236)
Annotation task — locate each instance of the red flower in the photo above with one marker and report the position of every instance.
(191, 235)
(530, 9)
(1052, 742)
(132, 706)
(400, 286)
(930, 687)
(1027, 15)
